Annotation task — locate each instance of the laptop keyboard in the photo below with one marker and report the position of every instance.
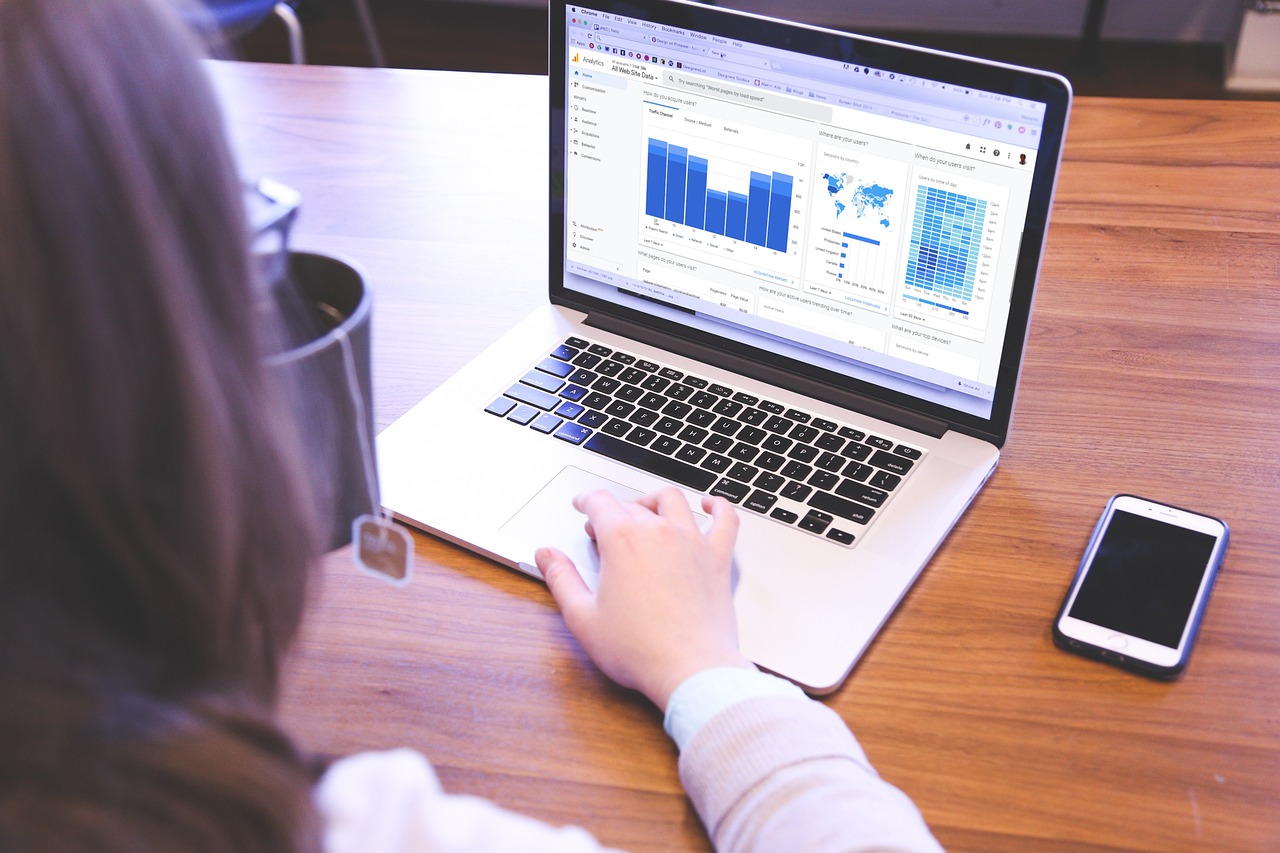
(826, 478)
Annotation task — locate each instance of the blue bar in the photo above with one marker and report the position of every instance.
(779, 211)
(758, 209)
(696, 203)
(716, 202)
(656, 186)
(735, 217)
(849, 236)
(677, 162)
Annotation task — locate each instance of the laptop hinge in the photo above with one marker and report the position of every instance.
(798, 383)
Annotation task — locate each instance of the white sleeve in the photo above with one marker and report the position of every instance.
(392, 802)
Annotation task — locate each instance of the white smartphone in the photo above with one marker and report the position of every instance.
(1142, 586)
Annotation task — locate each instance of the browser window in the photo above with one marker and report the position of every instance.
(850, 216)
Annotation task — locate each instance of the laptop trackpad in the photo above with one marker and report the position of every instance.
(550, 519)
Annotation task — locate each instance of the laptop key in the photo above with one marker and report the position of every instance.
(654, 463)
(890, 462)
(815, 522)
(555, 367)
(667, 426)
(842, 536)
(665, 444)
(829, 441)
(701, 418)
(641, 436)
(546, 423)
(731, 491)
(716, 462)
(852, 434)
(632, 374)
(653, 401)
(569, 411)
(719, 390)
(573, 392)
(848, 510)
(606, 385)
(718, 443)
(861, 493)
(599, 349)
(830, 462)
(593, 419)
(786, 516)
(611, 367)
(769, 482)
(877, 441)
(582, 376)
(885, 480)
(676, 409)
(760, 502)
(624, 358)
(824, 480)
(542, 381)
(643, 417)
(691, 453)
(573, 433)
(692, 434)
(577, 343)
(533, 397)
(704, 400)
(857, 452)
(796, 491)
(857, 471)
(770, 461)
(500, 406)
(797, 470)
(617, 427)
(679, 391)
(564, 352)
(646, 366)
(824, 424)
(522, 414)
(619, 409)
(587, 360)
(909, 452)
(726, 426)
(671, 373)
(696, 382)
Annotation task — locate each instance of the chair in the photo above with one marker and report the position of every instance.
(236, 18)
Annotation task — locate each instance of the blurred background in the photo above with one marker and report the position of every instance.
(1135, 48)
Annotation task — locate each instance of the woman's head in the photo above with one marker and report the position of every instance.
(154, 535)
(145, 481)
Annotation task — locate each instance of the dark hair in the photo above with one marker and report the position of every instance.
(154, 531)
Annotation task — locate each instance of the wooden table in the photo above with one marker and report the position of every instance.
(1153, 367)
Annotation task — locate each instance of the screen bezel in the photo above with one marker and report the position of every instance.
(1050, 89)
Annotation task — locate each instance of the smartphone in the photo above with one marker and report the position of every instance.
(1141, 589)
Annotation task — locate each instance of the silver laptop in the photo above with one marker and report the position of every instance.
(789, 266)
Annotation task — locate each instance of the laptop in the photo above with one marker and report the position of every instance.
(788, 266)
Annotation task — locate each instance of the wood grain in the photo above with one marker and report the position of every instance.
(1153, 367)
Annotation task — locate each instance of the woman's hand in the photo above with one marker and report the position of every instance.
(663, 608)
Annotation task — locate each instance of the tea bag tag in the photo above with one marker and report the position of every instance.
(382, 549)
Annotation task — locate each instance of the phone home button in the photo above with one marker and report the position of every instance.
(1117, 642)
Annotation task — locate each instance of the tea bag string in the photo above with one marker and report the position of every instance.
(362, 426)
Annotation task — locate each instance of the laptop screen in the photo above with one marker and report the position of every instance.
(860, 211)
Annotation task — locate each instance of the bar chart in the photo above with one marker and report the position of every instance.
(678, 189)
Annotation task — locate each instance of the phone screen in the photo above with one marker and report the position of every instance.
(1144, 578)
